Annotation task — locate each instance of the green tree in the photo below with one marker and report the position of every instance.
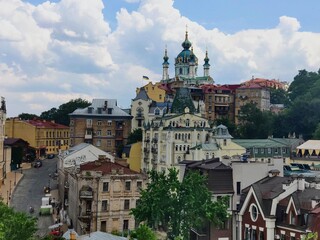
(27, 116)
(61, 115)
(302, 84)
(135, 136)
(143, 232)
(279, 96)
(254, 123)
(176, 206)
(16, 225)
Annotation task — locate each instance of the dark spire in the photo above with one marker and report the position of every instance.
(186, 44)
(165, 58)
(206, 60)
(181, 101)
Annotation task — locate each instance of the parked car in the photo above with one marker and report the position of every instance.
(37, 164)
(50, 156)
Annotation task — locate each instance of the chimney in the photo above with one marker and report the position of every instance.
(301, 183)
(105, 105)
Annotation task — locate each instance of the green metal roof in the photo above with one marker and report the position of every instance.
(259, 143)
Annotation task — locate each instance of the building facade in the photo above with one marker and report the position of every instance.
(103, 124)
(3, 161)
(45, 137)
(101, 194)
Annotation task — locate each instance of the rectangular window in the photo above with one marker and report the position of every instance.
(103, 226)
(98, 143)
(238, 188)
(269, 150)
(109, 123)
(139, 185)
(109, 143)
(125, 225)
(128, 186)
(254, 234)
(262, 150)
(105, 187)
(104, 205)
(126, 204)
(261, 235)
(99, 133)
(108, 132)
(99, 122)
(89, 122)
(256, 150)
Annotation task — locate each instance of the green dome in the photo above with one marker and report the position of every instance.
(186, 55)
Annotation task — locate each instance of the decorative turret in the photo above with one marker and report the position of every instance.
(186, 44)
(206, 65)
(165, 65)
(185, 58)
(181, 101)
(192, 64)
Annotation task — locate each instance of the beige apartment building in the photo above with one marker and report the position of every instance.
(101, 194)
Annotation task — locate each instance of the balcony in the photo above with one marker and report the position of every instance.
(146, 150)
(86, 194)
(88, 135)
(87, 214)
(154, 150)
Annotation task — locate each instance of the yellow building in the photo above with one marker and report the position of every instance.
(154, 92)
(132, 153)
(45, 137)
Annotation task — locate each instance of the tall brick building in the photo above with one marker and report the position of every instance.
(103, 124)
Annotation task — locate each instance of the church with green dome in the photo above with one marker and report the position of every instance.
(186, 68)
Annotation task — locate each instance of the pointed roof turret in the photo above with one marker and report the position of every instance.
(142, 94)
(165, 58)
(186, 44)
(206, 60)
(181, 101)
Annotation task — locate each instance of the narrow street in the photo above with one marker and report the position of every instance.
(30, 190)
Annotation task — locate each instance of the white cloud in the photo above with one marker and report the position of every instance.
(54, 52)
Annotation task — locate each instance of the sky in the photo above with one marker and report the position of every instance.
(58, 50)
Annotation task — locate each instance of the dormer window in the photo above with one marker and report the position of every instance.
(157, 112)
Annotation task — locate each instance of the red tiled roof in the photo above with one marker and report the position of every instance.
(45, 124)
(251, 85)
(105, 166)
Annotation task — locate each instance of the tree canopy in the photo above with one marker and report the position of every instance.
(135, 136)
(61, 115)
(16, 225)
(175, 206)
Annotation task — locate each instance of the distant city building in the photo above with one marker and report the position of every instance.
(103, 124)
(251, 93)
(45, 137)
(269, 83)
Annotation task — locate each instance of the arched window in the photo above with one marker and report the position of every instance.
(180, 148)
(180, 70)
(157, 111)
(176, 147)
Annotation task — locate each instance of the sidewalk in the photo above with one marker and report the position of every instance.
(11, 181)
